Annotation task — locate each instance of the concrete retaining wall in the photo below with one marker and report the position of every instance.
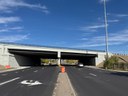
(19, 60)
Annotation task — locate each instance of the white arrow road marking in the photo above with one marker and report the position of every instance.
(36, 83)
(93, 74)
(31, 82)
(9, 81)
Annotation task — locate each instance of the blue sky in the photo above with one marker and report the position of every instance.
(65, 23)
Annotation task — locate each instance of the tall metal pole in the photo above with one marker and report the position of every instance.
(106, 28)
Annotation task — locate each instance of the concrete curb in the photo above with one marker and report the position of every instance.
(70, 84)
(63, 86)
(9, 70)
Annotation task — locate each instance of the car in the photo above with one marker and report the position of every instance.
(80, 65)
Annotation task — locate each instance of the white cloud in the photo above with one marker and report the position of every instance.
(13, 38)
(84, 39)
(16, 28)
(109, 20)
(8, 29)
(113, 39)
(4, 20)
(118, 15)
(101, 1)
(119, 37)
(113, 21)
(9, 5)
(92, 28)
(121, 15)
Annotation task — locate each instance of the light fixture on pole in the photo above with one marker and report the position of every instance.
(106, 28)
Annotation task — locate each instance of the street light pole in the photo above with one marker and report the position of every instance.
(106, 29)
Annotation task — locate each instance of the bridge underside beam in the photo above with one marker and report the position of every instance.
(39, 54)
(86, 59)
(31, 57)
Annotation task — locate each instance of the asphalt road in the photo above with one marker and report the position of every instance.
(96, 82)
(34, 81)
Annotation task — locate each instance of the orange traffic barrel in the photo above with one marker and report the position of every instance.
(62, 69)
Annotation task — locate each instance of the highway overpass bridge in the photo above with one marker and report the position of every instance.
(17, 55)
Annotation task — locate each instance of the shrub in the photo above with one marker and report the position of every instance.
(110, 62)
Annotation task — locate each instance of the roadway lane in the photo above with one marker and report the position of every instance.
(96, 82)
(10, 82)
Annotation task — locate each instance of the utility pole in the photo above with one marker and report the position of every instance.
(106, 29)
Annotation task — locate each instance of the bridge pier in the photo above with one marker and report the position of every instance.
(59, 58)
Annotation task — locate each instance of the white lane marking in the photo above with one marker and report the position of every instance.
(9, 81)
(93, 74)
(36, 71)
(4, 74)
(31, 82)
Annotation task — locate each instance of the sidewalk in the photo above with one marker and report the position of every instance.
(12, 69)
(63, 86)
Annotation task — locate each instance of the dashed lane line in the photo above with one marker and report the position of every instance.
(92, 74)
(9, 81)
(36, 71)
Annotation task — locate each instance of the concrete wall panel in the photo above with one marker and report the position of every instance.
(19, 60)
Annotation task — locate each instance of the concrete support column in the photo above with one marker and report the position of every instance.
(4, 55)
(59, 58)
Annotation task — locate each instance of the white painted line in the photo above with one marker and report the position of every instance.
(36, 71)
(9, 81)
(16, 72)
(93, 74)
(73, 91)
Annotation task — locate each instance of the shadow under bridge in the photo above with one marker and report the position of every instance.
(85, 58)
(29, 57)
